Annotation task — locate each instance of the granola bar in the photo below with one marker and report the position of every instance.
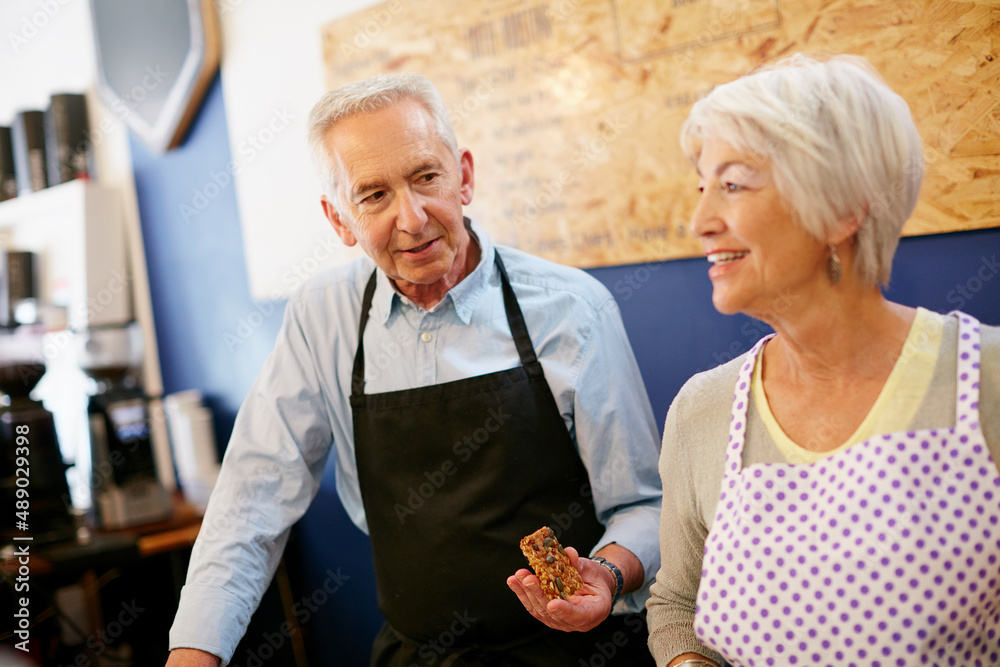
(546, 557)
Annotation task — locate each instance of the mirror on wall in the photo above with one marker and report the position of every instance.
(155, 62)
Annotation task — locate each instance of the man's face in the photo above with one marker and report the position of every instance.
(400, 195)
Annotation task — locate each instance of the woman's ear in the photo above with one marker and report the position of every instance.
(847, 227)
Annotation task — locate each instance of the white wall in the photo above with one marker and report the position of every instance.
(46, 48)
(272, 74)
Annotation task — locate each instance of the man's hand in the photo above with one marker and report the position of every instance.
(585, 610)
(191, 657)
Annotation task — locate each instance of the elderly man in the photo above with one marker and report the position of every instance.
(510, 400)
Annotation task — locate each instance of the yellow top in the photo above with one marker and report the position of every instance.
(896, 404)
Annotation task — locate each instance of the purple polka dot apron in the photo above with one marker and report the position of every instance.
(883, 554)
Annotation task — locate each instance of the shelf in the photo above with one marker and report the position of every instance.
(44, 202)
(77, 233)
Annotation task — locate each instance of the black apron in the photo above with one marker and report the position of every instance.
(452, 476)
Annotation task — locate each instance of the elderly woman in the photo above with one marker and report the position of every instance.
(833, 496)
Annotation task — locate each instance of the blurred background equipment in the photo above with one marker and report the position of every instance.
(67, 138)
(8, 177)
(28, 435)
(18, 287)
(126, 488)
(30, 161)
(192, 436)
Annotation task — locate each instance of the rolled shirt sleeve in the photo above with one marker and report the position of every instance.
(270, 473)
(619, 443)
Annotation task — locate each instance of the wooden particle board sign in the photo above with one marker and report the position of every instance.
(572, 108)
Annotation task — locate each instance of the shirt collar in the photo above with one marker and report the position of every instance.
(387, 301)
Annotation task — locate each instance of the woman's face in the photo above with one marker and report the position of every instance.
(763, 262)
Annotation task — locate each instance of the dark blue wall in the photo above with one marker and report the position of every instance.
(213, 337)
(675, 332)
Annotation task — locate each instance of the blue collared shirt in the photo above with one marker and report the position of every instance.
(298, 411)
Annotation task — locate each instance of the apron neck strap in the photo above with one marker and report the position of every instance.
(741, 404)
(358, 374)
(518, 329)
(515, 320)
(967, 401)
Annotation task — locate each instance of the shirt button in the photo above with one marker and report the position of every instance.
(426, 337)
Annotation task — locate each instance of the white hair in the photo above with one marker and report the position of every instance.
(841, 143)
(366, 96)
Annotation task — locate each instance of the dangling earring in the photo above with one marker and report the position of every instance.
(833, 266)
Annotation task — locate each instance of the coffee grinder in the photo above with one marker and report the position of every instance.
(32, 473)
(126, 490)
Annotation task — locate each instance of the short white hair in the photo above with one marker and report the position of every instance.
(366, 96)
(841, 143)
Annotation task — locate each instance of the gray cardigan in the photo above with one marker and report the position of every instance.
(691, 467)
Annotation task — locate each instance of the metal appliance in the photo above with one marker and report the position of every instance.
(32, 472)
(126, 490)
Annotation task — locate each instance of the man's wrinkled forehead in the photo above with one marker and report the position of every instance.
(369, 150)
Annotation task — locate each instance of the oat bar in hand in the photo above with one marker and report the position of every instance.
(545, 555)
